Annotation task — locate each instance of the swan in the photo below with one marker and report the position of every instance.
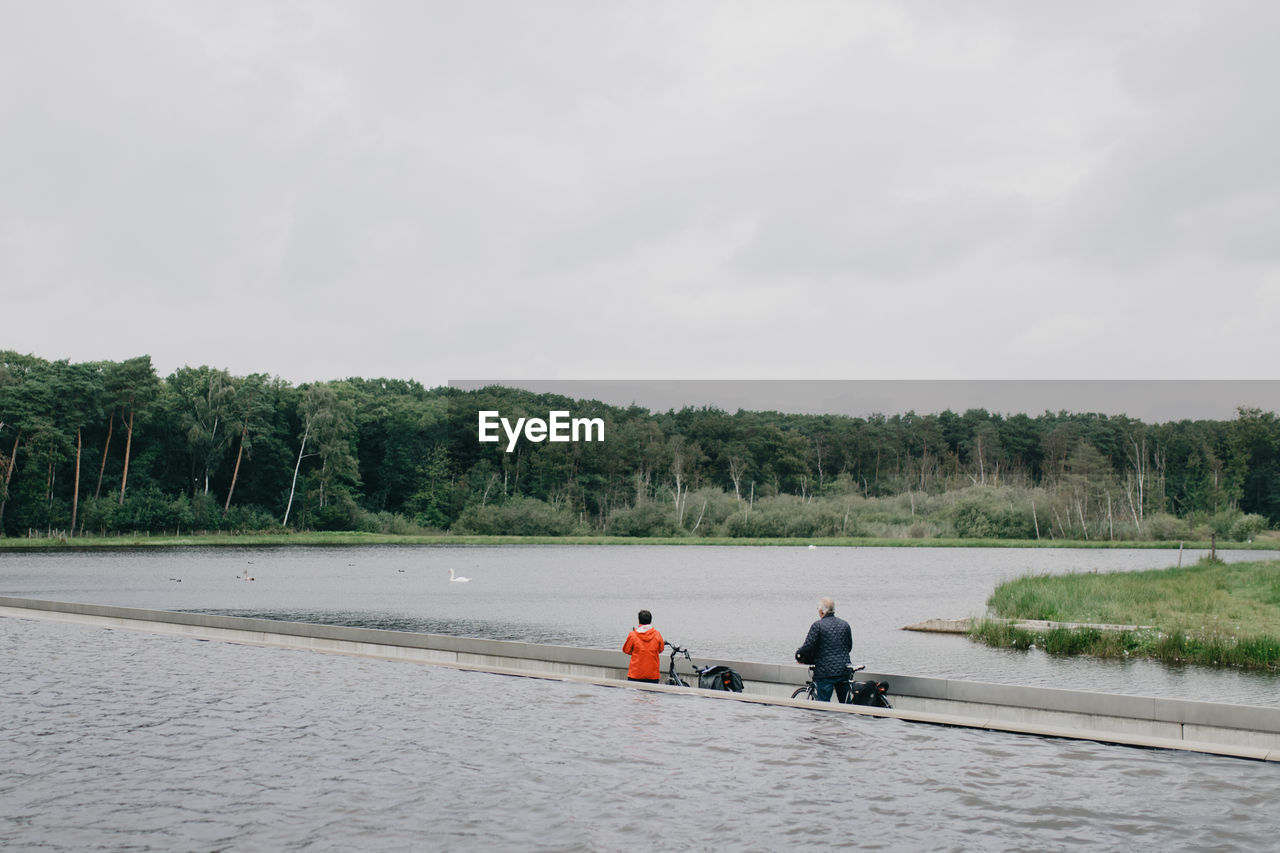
(455, 579)
(245, 576)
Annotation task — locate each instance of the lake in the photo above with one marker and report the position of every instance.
(117, 740)
(732, 602)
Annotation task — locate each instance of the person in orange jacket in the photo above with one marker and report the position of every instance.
(644, 644)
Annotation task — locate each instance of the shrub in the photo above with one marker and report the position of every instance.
(784, 516)
(249, 518)
(647, 519)
(98, 515)
(922, 530)
(751, 525)
(708, 508)
(1246, 527)
(205, 512)
(1163, 527)
(517, 516)
(149, 509)
(340, 513)
(393, 523)
(977, 518)
(1218, 523)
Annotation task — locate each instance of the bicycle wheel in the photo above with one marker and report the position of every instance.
(802, 691)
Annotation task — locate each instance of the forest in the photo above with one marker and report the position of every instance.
(101, 448)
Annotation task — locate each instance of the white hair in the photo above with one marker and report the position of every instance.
(826, 605)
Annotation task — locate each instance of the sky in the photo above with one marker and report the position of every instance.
(940, 189)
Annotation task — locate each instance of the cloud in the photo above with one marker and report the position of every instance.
(1193, 172)
(724, 189)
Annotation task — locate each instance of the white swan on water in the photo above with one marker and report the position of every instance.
(457, 579)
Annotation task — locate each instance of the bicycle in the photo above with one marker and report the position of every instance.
(856, 692)
(673, 677)
(711, 677)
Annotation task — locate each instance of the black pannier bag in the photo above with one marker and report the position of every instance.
(719, 678)
(870, 693)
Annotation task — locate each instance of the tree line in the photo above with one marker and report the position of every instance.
(112, 447)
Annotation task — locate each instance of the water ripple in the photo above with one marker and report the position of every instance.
(115, 740)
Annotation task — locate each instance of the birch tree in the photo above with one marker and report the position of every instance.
(327, 425)
(206, 409)
(1136, 482)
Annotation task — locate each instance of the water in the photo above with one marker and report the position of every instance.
(736, 603)
(119, 740)
(116, 740)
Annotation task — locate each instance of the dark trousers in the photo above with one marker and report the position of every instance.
(822, 688)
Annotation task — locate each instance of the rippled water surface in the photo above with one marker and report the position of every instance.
(116, 740)
(736, 603)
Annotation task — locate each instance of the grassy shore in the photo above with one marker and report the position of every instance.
(1207, 613)
(318, 538)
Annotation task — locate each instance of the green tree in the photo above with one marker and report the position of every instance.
(1253, 469)
(82, 393)
(204, 397)
(249, 408)
(27, 406)
(432, 504)
(328, 422)
(133, 385)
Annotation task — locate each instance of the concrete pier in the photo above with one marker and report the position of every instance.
(1220, 729)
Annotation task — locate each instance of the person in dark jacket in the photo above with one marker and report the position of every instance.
(827, 647)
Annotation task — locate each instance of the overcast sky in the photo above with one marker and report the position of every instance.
(656, 190)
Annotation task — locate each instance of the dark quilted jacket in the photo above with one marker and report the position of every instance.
(827, 645)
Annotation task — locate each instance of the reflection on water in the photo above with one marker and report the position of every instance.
(119, 740)
(730, 602)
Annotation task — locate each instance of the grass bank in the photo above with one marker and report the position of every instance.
(1208, 613)
(320, 538)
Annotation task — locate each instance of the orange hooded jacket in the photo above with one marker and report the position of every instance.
(644, 644)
